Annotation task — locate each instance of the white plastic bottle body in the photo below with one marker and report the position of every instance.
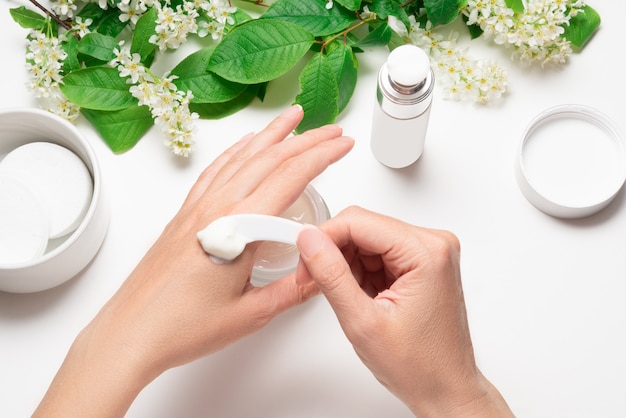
(398, 143)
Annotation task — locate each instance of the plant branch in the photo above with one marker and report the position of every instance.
(260, 3)
(344, 33)
(53, 16)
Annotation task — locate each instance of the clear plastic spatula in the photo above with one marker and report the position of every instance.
(225, 238)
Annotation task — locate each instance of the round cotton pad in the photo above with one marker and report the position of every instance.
(58, 178)
(23, 223)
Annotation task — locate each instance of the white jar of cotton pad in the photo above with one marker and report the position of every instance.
(51, 186)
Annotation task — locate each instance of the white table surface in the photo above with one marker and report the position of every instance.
(544, 296)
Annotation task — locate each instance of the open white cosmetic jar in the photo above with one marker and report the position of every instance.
(62, 257)
(275, 260)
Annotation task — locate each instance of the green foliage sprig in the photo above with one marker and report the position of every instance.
(104, 52)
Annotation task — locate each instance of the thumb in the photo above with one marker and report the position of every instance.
(326, 265)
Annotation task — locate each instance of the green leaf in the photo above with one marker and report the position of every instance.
(349, 4)
(175, 3)
(221, 110)
(582, 27)
(260, 50)
(344, 65)
(395, 41)
(110, 23)
(515, 5)
(318, 94)
(99, 88)
(120, 129)
(98, 46)
(239, 17)
(91, 11)
(71, 62)
(312, 16)
(262, 91)
(442, 12)
(27, 18)
(386, 8)
(206, 86)
(144, 29)
(377, 37)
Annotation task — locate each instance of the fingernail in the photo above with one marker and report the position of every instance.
(292, 110)
(310, 240)
(247, 136)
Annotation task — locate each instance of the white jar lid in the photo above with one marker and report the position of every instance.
(571, 161)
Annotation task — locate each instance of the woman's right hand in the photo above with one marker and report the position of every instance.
(396, 290)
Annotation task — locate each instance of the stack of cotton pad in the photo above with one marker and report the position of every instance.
(45, 191)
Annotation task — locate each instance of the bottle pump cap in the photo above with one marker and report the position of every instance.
(408, 65)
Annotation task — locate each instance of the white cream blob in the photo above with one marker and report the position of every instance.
(222, 241)
(57, 177)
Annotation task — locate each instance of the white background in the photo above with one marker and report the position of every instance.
(544, 296)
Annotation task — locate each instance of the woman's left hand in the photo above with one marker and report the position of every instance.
(177, 305)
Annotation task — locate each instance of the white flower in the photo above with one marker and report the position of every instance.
(213, 27)
(82, 26)
(394, 23)
(58, 104)
(44, 62)
(329, 4)
(366, 13)
(225, 15)
(45, 57)
(131, 10)
(460, 76)
(133, 68)
(103, 4)
(168, 106)
(535, 34)
(219, 10)
(174, 26)
(143, 92)
(122, 55)
(178, 127)
(64, 9)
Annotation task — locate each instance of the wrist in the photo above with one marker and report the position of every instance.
(98, 374)
(479, 399)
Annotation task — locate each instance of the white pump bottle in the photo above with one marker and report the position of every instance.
(402, 109)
